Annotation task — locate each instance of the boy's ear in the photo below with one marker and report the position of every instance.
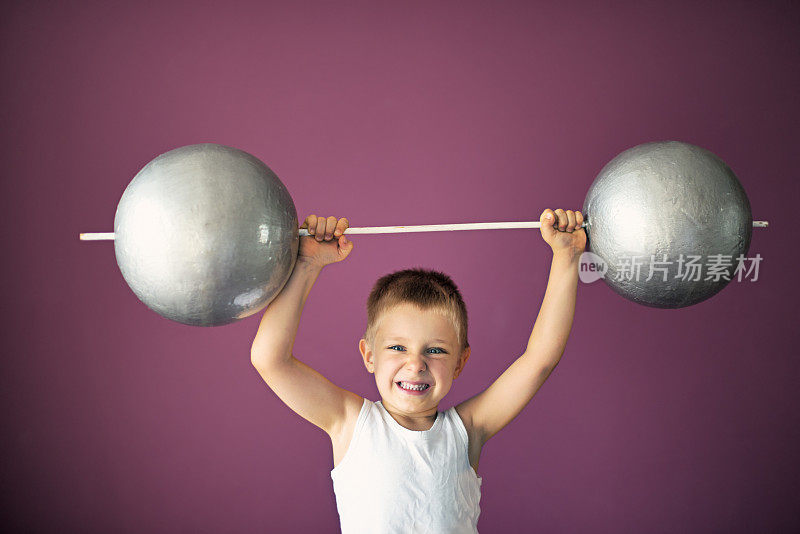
(366, 355)
(462, 361)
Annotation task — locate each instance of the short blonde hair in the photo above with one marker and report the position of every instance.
(425, 288)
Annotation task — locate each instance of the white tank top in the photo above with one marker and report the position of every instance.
(394, 480)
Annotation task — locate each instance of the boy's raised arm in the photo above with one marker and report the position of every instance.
(492, 409)
(301, 388)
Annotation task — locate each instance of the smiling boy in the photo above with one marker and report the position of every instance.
(400, 465)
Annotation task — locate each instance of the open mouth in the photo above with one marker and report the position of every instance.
(414, 389)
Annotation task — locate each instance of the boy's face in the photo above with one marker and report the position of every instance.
(414, 347)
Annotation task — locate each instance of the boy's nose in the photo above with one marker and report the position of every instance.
(415, 361)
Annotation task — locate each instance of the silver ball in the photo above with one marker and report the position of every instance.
(206, 235)
(667, 201)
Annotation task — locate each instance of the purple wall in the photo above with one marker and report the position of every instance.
(116, 420)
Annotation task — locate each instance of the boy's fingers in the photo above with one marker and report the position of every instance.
(579, 218)
(562, 219)
(547, 218)
(345, 247)
(325, 228)
(571, 222)
(341, 226)
(330, 226)
(319, 233)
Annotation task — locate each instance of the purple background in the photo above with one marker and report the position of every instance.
(116, 420)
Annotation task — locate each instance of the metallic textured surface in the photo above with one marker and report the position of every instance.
(206, 234)
(667, 200)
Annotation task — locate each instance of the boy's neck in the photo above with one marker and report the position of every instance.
(415, 421)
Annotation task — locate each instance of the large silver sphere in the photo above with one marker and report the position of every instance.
(658, 204)
(206, 234)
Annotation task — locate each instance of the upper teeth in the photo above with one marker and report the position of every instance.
(406, 385)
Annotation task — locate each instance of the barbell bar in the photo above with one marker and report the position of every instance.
(365, 230)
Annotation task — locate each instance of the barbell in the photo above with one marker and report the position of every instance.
(207, 234)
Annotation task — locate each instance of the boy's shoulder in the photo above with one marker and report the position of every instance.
(352, 408)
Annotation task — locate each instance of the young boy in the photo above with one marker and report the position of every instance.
(400, 465)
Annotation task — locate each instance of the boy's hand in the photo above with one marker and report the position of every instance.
(326, 244)
(559, 231)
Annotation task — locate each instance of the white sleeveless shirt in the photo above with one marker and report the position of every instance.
(394, 480)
